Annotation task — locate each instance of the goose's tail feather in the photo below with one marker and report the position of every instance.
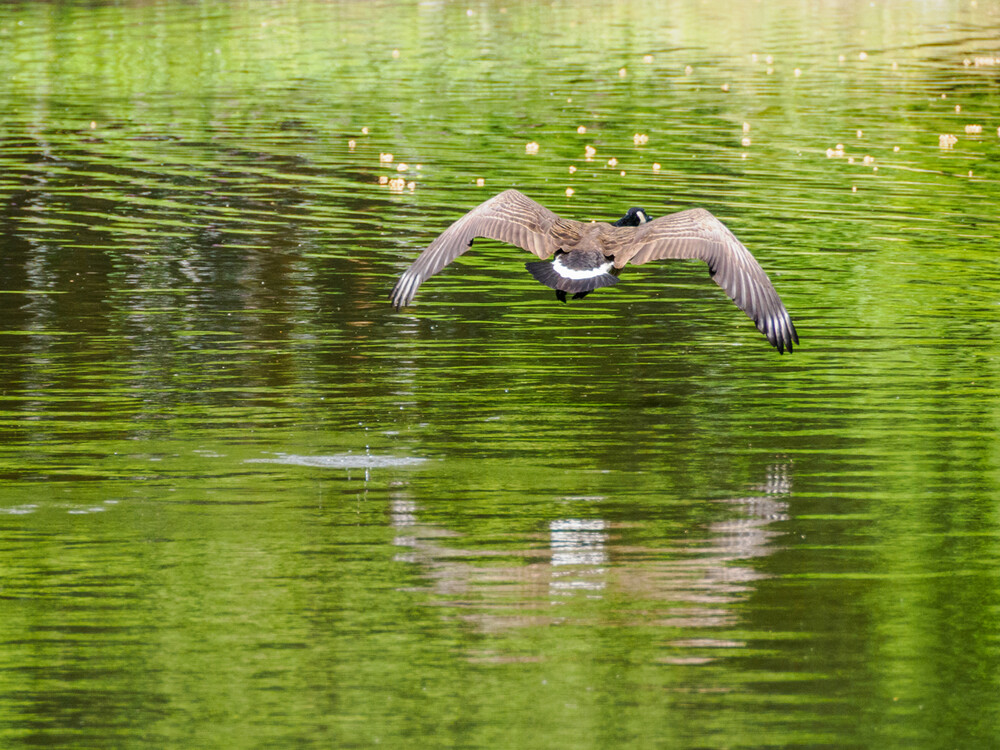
(578, 272)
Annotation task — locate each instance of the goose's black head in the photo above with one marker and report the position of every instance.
(633, 218)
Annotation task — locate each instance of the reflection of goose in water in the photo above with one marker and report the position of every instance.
(579, 554)
(589, 256)
(691, 582)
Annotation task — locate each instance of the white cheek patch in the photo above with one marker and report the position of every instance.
(642, 217)
(580, 273)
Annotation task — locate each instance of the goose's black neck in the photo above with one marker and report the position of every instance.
(633, 218)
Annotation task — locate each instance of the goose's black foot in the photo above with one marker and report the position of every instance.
(561, 295)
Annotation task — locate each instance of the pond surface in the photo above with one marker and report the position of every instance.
(245, 503)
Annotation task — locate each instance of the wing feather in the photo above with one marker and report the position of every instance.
(696, 234)
(510, 217)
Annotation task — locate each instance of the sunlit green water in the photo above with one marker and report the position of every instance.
(244, 503)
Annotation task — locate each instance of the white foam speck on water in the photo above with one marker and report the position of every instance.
(340, 461)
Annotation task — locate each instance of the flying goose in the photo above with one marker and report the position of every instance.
(589, 256)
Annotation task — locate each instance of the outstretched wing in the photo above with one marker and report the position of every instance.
(509, 217)
(698, 235)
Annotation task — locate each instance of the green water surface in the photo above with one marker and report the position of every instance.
(244, 503)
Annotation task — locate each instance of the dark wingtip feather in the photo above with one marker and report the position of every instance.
(402, 294)
(779, 331)
(786, 336)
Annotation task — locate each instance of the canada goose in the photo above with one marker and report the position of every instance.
(589, 256)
